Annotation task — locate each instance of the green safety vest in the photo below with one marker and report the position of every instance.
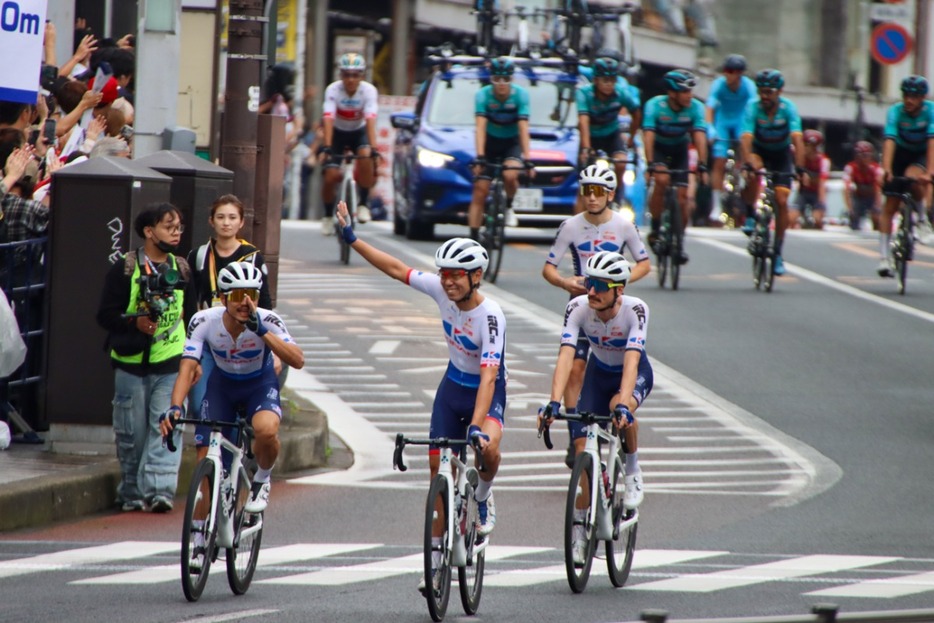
(169, 338)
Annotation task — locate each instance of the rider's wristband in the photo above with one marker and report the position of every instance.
(348, 234)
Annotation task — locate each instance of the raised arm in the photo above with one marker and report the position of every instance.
(392, 266)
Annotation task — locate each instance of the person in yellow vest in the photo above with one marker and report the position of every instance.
(142, 310)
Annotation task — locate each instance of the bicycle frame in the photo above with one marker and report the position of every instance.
(600, 503)
(225, 527)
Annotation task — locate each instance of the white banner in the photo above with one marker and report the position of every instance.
(385, 139)
(22, 29)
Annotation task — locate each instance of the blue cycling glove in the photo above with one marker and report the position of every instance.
(622, 412)
(255, 324)
(551, 409)
(474, 434)
(173, 412)
(348, 235)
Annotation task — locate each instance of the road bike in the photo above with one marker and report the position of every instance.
(450, 510)
(348, 193)
(732, 207)
(215, 517)
(600, 492)
(493, 234)
(903, 240)
(761, 244)
(669, 245)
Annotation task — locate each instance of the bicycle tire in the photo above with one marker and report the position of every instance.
(242, 557)
(470, 576)
(758, 271)
(493, 238)
(348, 195)
(577, 577)
(202, 481)
(677, 244)
(769, 264)
(437, 598)
(901, 263)
(620, 550)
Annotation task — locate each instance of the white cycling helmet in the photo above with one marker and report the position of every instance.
(608, 265)
(601, 176)
(239, 275)
(351, 61)
(462, 253)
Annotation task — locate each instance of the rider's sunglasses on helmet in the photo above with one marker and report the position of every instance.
(451, 273)
(502, 78)
(238, 295)
(596, 189)
(599, 286)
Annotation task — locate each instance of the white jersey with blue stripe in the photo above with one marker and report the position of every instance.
(243, 358)
(584, 239)
(609, 341)
(476, 338)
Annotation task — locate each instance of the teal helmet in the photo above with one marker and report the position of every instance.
(605, 68)
(770, 79)
(914, 85)
(680, 80)
(502, 66)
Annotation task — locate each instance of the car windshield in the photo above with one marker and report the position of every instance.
(454, 106)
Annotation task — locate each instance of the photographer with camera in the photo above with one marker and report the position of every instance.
(142, 309)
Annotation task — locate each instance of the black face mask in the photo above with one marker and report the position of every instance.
(165, 247)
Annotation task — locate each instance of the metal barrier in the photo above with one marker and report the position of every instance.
(820, 613)
(22, 279)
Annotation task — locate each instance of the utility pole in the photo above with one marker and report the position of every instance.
(245, 62)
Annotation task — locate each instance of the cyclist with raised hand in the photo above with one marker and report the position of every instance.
(502, 125)
(471, 399)
(670, 124)
(770, 129)
(242, 339)
(862, 186)
(813, 186)
(725, 109)
(349, 123)
(619, 375)
(908, 151)
(595, 229)
(598, 108)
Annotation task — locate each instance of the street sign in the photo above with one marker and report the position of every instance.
(890, 43)
(890, 13)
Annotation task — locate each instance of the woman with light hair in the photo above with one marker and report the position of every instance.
(110, 146)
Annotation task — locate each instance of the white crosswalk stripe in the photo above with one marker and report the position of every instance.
(66, 559)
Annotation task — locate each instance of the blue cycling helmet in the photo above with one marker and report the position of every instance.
(770, 79)
(680, 80)
(914, 85)
(734, 62)
(605, 68)
(502, 66)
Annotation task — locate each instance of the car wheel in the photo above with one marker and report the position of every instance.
(419, 230)
(398, 224)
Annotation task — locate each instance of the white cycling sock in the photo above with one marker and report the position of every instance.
(262, 475)
(884, 240)
(483, 490)
(715, 204)
(632, 463)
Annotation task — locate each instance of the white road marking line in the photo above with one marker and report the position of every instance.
(884, 588)
(66, 559)
(232, 616)
(384, 347)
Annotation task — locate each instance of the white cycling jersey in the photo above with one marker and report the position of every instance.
(584, 240)
(243, 358)
(609, 341)
(350, 112)
(476, 338)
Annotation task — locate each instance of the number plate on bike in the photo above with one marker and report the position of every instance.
(527, 200)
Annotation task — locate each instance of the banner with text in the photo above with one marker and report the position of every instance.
(22, 29)
(385, 139)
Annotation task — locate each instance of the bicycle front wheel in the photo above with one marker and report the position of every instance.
(437, 574)
(248, 535)
(901, 253)
(579, 532)
(620, 550)
(470, 576)
(198, 541)
(349, 196)
(494, 235)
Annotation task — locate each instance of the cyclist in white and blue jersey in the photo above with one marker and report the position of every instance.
(908, 151)
(726, 109)
(471, 399)
(242, 339)
(670, 123)
(619, 375)
(772, 139)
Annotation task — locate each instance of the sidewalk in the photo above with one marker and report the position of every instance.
(38, 487)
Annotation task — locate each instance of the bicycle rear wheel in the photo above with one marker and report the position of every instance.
(197, 541)
(437, 578)
(248, 535)
(494, 233)
(578, 575)
(470, 577)
(769, 268)
(348, 195)
(620, 550)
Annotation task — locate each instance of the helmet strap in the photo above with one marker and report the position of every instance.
(473, 287)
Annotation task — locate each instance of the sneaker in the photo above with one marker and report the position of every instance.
(779, 267)
(749, 225)
(327, 226)
(511, 219)
(579, 548)
(197, 552)
(132, 505)
(924, 233)
(684, 259)
(486, 520)
(259, 497)
(160, 504)
(363, 214)
(885, 268)
(633, 495)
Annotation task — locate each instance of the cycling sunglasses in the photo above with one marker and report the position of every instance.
(501, 78)
(596, 189)
(451, 273)
(238, 295)
(599, 286)
(351, 74)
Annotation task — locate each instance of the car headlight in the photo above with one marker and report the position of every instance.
(433, 159)
(629, 177)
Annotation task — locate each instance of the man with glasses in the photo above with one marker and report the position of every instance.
(471, 399)
(502, 137)
(349, 124)
(618, 376)
(726, 107)
(672, 122)
(142, 309)
(242, 338)
(771, 128)
(595, 229)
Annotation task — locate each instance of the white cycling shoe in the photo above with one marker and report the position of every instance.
(259, 497)
(511, 219)
(632, 498)
(327, 225)
(363, 214)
